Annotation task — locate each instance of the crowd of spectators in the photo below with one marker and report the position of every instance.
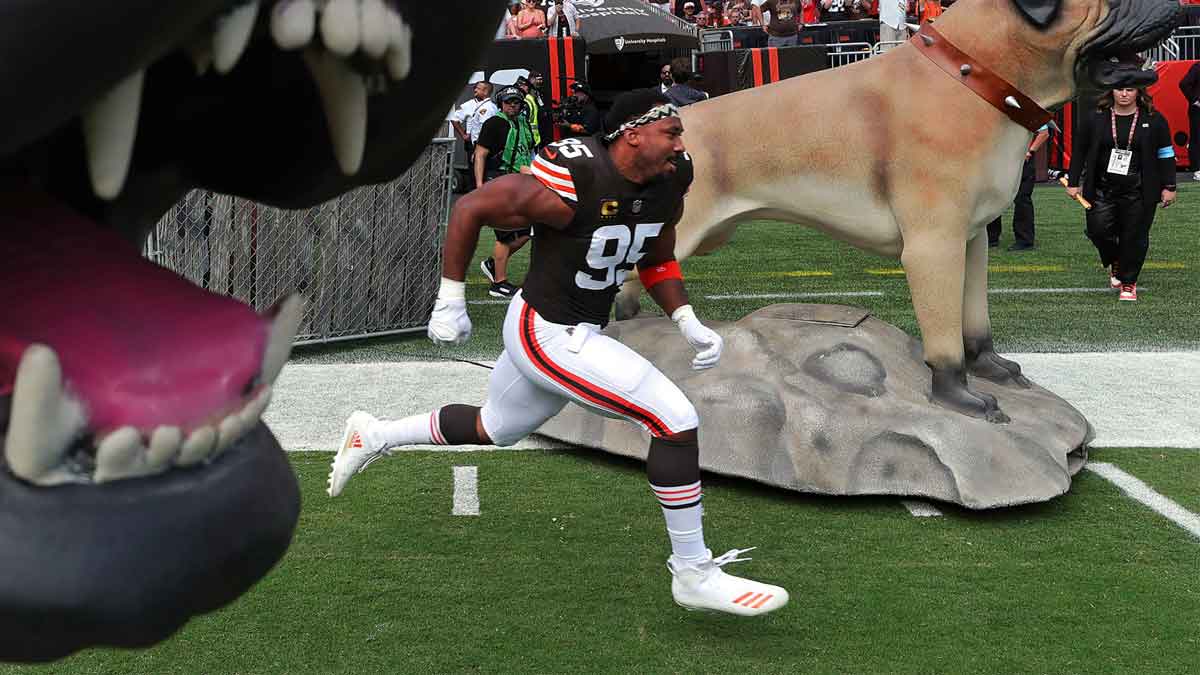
(727, 13)
(540, 18)
(560, 18)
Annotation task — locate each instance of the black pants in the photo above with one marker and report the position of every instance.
(1119, 226)
(1194, 138)
(1022, 210)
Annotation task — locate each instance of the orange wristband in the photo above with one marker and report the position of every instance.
(659, 273)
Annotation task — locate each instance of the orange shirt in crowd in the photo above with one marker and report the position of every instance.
(530, 22)
(930, 10)
(809, 13)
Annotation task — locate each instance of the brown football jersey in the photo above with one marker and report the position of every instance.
(575, 272)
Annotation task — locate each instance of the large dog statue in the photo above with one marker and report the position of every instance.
(932, 160)
(137, 485)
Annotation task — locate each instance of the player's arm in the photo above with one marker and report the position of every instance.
(663, 279)
(659, 272)
(507, 203)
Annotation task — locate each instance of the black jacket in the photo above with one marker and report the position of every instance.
(1190, 85)
(1085, 148)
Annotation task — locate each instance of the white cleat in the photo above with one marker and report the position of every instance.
(358, 449)
(703, 585)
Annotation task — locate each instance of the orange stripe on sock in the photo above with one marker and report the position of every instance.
(762, 602)
(740, 598)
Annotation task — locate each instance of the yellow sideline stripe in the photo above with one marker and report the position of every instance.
(1026, 268)
(802, 273)
(1165, 266)
(886, 272)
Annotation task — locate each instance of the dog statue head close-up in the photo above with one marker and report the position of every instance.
(138, 486)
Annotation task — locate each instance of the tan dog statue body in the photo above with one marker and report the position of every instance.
(932, 164)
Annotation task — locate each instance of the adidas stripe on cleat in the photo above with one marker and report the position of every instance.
(354, 454)
(703, 585)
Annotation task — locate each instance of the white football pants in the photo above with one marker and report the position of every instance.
(544, 365)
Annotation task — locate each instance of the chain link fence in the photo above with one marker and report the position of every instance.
(368, 262)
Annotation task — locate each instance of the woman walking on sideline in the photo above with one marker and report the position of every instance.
(1123, 154)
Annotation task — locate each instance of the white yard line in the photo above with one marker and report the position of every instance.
(1133, 399)
(784, 296)
(1145, 494)
(921, 509)
(466, 491)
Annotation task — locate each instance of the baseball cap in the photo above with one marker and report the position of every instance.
(581, 86)
(509, 94)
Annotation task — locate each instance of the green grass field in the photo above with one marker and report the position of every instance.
(563, 571)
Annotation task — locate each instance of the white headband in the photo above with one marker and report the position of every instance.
(655, 114)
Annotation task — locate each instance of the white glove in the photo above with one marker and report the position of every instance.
(702, 338)
(449, 324)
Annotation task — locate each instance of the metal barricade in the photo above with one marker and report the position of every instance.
(716, 40)
(368, 261)
(845, 53)
(884, 45)
(1188, 41)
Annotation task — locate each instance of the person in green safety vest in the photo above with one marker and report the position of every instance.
(534, 105)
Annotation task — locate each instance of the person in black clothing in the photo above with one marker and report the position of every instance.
(1022, 224)
(601, 207)
(681, 93)
(579, 117)
(505, 146)
(1123, 161)
(1190, 86)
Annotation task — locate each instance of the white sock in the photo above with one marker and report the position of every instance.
(684, 525)
(412, 430)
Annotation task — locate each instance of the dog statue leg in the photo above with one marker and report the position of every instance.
(935, 265)
(982, 359)
(629, 299)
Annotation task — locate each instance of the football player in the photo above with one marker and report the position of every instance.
(599, 206)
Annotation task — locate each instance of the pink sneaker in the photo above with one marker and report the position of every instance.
(1113, 281)
(1128, 292)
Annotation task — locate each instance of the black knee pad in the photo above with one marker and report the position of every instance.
(457, 423)
(673, 462)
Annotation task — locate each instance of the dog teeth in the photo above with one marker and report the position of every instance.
(293, 23)
(340, 26)
(374, 16)
(165, 444)
(109, 128)
(232, 35)
(198, 446)
(123, 454)
(287, 314)
(399, 53)
(43, 421)
(229, 430)
(344, 99)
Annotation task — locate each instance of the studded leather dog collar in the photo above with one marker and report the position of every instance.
(986, 84)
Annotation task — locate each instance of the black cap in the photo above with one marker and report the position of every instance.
(581, 86)
(508, 94)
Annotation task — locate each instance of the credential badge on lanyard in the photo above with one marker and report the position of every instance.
(1119, 160)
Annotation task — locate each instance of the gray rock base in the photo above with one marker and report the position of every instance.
(827, 399)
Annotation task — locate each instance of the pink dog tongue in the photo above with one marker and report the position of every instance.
(138, 344)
